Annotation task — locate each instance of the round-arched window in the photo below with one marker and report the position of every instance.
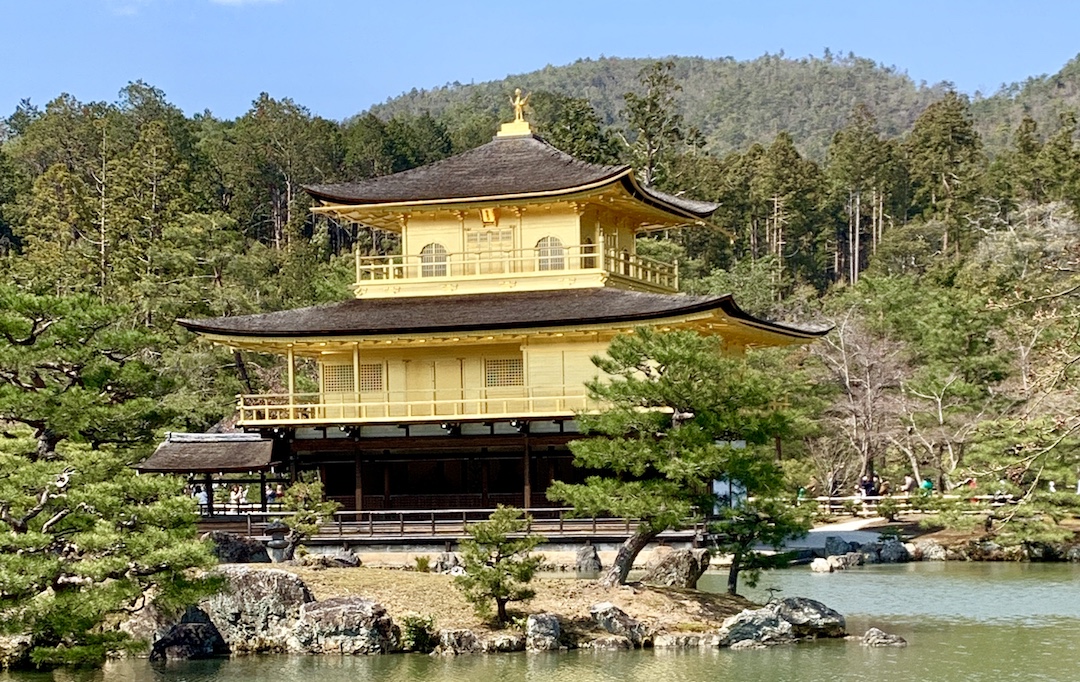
(550, 254)
(433, 260)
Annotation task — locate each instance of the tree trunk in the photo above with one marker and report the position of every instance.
(733, 573)
(501, 610)
(624, 560)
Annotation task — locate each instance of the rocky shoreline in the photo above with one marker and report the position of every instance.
(269, 610)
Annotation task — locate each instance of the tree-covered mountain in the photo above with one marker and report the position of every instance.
(737, 103)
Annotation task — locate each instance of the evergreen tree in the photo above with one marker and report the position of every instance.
(655, 124)
(670, 397)
(498, 564)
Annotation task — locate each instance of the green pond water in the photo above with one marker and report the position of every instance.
(967, 622)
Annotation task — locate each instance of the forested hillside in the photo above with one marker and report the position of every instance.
(949, 273)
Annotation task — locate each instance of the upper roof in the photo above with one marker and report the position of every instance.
(476, 312)
(506, 167)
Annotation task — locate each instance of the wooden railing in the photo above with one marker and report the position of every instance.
(453, 524)
(412, 406)
(540, 260)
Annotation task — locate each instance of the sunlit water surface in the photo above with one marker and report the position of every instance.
(969, 622)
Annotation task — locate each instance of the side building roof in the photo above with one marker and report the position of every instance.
(506, 167)
(486, 312)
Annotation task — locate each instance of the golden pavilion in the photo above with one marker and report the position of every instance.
(452, 379)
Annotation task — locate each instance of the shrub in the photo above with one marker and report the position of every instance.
(418, 633)
(497, 566)
(887, 508)
(423, 564)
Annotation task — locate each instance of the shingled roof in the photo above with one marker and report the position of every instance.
(476, 312)
(504, 167)
(209, 453)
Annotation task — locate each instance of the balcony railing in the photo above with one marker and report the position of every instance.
(393, 407)
(530, 262)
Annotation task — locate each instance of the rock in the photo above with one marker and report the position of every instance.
(186, 641)
(821, 566)
(754, 628)
(929, 550)
(875, 637)
(257, 609)
(150, 624)
(587, 560)
(231, 548)
(893, 552)
(1072, 554)
(14, 650)
(837, 546)
(454, 642)
(617, 622)
(684, 640)
(610, 643)
(504, 642)
(680, 568)
(837, 563)
(809, 618)
(335, 560)
(444, 562)
(344, 625)
(542, 632)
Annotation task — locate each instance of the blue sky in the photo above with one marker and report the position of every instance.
(338, 58)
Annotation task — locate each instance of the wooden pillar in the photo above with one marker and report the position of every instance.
(528, 478)
(359, 484)
(292, 384)
(356, 388)
(484, 484)
(262, 490)
(386, 485)
(208, 481)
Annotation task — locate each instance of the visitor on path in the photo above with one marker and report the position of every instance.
(885, 490)
(927, 486)
(909, 484)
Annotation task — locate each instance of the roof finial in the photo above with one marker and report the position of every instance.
(519, 126)
(519, 103)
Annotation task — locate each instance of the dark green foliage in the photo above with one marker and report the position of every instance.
(309, 509)
(83, 539)
(669, 397)
(497, 562)
(418, 634)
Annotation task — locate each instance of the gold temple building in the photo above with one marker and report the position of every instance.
(452, 379)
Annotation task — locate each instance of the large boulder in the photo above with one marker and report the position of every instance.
(189, 640)
(809, 618)
(542, 632)
(504, 642)
(929, 550)
(875, 637)
(445, 562)
(685, 640)
(617, 622)
(680, 568)
(1072, 554)
(837, 546)
(610, 643)
(231, 548)
(343, 625)
(341, 559)
(587, 560)
(257, 609)
(755, 628)
(887, 552)
(454, 642)
(839, 562)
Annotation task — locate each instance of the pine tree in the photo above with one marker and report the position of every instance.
(497, 562)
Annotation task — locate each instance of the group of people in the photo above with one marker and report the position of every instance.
(238, 500)
(875, 486)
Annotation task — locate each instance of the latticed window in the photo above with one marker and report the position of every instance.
(483, 241)
(550, 254)
(338, 379)
(504, 372)
(433, 260)
(371, 378)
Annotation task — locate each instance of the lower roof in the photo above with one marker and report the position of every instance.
(209, 453)
(482, 312)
